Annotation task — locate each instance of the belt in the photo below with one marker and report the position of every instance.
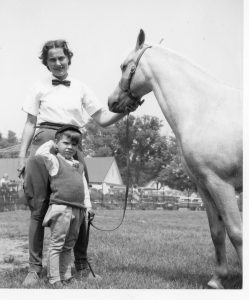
(50, 125)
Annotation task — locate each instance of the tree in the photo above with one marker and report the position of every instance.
(99, 141)
(143, 137)
(12, 139)
(173, 174)
(3, 143)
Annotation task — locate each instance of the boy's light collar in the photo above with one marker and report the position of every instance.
(70, 159)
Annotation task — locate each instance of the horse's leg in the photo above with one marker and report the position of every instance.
(218, 234)
(224, 196)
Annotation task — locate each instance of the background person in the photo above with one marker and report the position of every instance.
(4, 181)
(135, 195)
(51, 103)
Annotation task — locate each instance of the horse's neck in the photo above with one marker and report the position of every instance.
(182, 90)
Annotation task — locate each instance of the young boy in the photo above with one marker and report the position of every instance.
(69, 201)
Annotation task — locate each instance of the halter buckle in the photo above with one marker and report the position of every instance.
(140, 101)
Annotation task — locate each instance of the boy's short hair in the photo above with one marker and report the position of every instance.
(69, 131)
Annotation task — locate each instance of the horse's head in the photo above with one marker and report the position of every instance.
(131, 86)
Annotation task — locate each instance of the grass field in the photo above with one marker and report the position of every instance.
(151, 250)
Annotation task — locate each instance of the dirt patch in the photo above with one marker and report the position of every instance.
(13, 253)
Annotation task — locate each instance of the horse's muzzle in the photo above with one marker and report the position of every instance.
(114, 105)
(117, 108)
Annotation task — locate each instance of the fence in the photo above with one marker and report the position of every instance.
(147, 200)
(10, 200)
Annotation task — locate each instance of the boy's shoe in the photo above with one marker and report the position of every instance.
(57, 285)
(31, 279)
(71, 280)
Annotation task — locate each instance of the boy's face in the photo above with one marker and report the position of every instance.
(66, 147)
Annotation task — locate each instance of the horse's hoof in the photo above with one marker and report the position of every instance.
(215, 284)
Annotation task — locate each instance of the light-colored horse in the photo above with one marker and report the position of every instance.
(206, 118)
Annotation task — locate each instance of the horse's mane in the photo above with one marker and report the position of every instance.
(192, 64)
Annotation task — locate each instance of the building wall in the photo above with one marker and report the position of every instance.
(113, 175)
(9, 166)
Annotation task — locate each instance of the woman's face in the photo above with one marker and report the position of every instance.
(57, 63)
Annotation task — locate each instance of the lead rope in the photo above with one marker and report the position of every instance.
(127, 180)
(91, 217)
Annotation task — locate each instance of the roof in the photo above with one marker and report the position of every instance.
(152, 185)
(10, 149)
(98, 167)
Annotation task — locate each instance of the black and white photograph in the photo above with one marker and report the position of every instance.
(122, 132)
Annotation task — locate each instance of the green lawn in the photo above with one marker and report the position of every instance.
(151, 250)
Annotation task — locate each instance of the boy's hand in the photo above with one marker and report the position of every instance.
(54, 147)
(90, 214)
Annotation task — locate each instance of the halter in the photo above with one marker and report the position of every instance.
(129, 80)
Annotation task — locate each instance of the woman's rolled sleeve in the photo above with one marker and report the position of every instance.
(90, 101)
(32, 101)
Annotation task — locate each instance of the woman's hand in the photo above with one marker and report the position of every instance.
(21, 166)
(54, 147)
(133, 106)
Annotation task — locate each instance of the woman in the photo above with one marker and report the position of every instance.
(51, 103)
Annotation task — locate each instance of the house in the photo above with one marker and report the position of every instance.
(153, 184)
(101, 170)
(154, 187)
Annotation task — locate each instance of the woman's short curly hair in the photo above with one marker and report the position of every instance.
(55, 44)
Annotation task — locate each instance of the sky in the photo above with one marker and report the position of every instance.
(102, 32)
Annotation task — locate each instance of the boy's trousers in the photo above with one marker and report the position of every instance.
(64, 222)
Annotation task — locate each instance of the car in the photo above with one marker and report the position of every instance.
(192, 203)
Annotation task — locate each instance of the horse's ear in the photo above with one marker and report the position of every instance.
(140, 40)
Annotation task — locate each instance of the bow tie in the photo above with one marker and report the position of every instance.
(76, 165)
(64, 82)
